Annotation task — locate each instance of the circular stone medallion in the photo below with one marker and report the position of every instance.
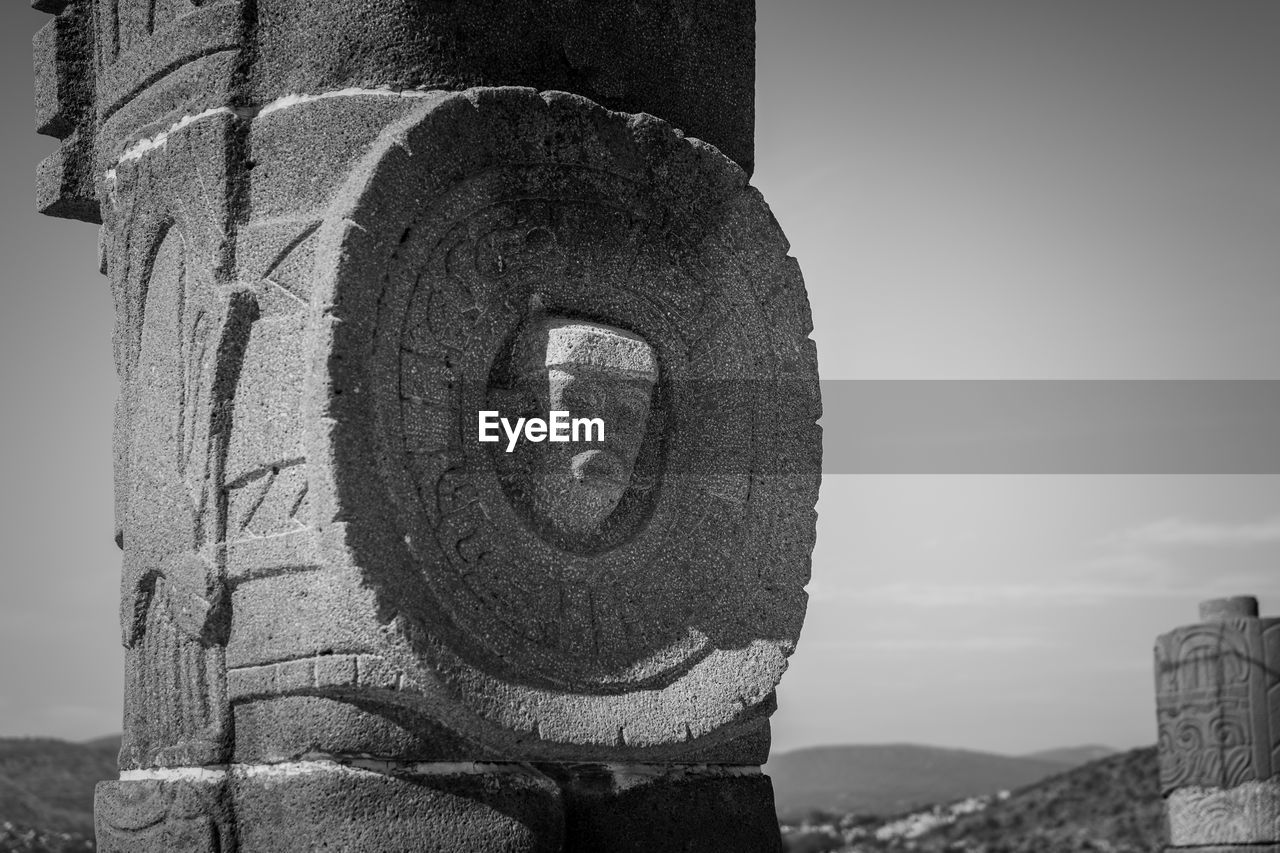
(505, 251)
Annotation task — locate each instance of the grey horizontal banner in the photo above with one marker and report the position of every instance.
(1051, 427)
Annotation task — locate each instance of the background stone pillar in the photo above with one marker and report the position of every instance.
(1218, 703)
(329, 229)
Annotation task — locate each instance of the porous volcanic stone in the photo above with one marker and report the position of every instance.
(154, 816)
(322, 807)
(670, 628)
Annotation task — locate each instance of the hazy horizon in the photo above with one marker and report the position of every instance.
(978, 190)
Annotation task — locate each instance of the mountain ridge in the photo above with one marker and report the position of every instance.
(47, 783)
(896, 777)
(1110, 804)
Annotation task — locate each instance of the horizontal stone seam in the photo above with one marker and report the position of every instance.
(145, 146)
(142, 147)
(1251, 784)
(323, 763)
(318, 764)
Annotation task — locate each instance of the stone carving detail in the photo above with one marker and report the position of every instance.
(1246, 814)
(687, 561)
(328, 253)
(586, 371)
(1204, 706)
(1217, 685)
(174, 606)
(192, 817)
(272, 503)
(455, 475)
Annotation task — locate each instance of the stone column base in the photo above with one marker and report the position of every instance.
(325, 805)
(1210, 818)
(190, 812)
(363, 806)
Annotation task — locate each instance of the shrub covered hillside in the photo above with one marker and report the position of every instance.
(1107, 806)
(46, 792)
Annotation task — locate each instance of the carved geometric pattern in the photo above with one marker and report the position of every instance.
(465, 287)
(1247, 814)
(175, 715)
(150, 815)
(320, 672)
(672, 618)
(174, 703)
(1214, 689)
(272, 502)
(279, 254)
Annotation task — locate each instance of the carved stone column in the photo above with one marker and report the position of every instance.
(1218, 702)
(337, 233)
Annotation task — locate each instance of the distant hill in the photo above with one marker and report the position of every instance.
(109, 744)
(1112, 804)
(894, 778)
(1074, 755)
(46, 790)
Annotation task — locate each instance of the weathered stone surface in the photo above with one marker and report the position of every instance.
(64, 73)
(314, 805)
(1218, 703)
(180, 339)
(191, 815)
(440, 809)
(289, 728)
(1246, 814)
(691, 62)
(653, 639)
(1217, 691)
(1239, 606)
(148, 64)
(145, 121)
(65, 183)
(151, 40)
(335, 236)
(64, 86)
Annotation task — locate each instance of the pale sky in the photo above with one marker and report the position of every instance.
(1022, 189)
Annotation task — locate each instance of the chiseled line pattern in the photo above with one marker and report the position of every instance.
(1246, 814)
(310, 673)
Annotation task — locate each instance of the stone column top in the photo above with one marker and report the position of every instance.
(1234, 607)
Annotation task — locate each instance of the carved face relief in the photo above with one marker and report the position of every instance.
(590, 371)
(662, 567)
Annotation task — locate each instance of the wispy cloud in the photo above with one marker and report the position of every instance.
(1181, 532)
